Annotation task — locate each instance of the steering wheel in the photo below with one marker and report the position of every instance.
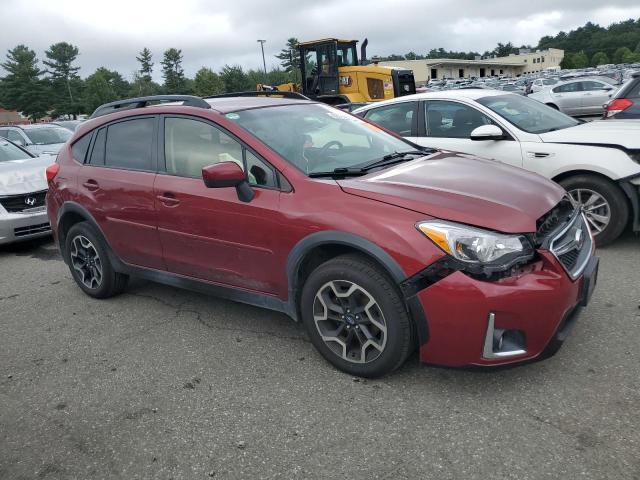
(327, 146)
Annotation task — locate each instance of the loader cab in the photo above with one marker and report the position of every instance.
(320, 61)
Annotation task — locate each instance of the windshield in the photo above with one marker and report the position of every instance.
(526, 114)
(48, 135)
(8, 152)
(318, 138)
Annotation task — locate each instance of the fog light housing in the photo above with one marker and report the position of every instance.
(502, 343)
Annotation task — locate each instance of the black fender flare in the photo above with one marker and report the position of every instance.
(336, 237)
(77, 209)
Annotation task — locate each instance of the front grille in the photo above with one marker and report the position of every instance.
(23, 202)
(573, 245)
(554, 219)
(31, 230)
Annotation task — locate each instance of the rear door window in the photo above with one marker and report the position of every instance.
(129, 144)
(397, 118)
(97, 154)
(569, 87)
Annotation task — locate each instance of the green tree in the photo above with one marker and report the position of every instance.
(146, 65)
(22, 88)
(142, 80)
(290, 58)
(66, 85)
(620, 54)
(631, 57)
(235, 79)
(580, 60)
(103, 86)
(567, 61)
(207, 82)
(504, 49)
(172, 72)
(599, 58)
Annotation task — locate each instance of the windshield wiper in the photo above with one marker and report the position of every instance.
(339, 172)
(395, 157)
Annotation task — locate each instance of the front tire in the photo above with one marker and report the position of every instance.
(356, 318)
(89, 262)
(604, 204)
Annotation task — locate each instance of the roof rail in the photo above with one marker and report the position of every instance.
(140, 102)
(263, 93)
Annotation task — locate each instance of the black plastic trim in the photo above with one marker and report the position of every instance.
(328, 237)
(633, 193)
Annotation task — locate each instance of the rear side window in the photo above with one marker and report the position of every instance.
(568, 87)
(97, 154)
(4, 133)
(397, 118)
(630, 91)
(129, 144)
(80, 147)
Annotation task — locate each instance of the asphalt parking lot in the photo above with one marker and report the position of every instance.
(165, 383)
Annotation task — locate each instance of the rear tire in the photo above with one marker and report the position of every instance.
(89, 262)
(356, 317)
(608, 221)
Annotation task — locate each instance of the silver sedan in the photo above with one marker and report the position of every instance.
(584, 96)
(23, 187)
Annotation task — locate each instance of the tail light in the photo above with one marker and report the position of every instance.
(618, 105)
(52, 171)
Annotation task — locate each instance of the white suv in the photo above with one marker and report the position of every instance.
(598, 163)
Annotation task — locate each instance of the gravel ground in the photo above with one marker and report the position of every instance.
(169, 384)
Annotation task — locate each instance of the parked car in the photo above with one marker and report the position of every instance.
(378, 246)
(597, 162)
(23, 188)
(39, 139)
(585, 96)
(542, 83)
(625, 104)
(68, 124)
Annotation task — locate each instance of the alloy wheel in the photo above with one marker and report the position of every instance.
(595, 206)
(350, 321)
(86, 262)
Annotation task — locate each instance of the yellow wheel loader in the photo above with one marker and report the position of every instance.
(332, 73)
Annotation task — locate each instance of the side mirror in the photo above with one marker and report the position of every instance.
(487, 132)
(228, 174)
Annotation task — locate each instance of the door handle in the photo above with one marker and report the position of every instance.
(168, 199)
(91, 185)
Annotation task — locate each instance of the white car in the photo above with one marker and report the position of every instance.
(542, 83)
(39, 138)
(583, 96)
(598, 163)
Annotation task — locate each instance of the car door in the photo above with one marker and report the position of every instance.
(596, 94)
(448, 125)
(568, 97)
(400, 117)
(209, 233)
(116, 185)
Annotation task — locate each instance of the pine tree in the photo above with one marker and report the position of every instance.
(22, 88)
(146, 65)
(290, 58)
(63, 76)
(172, 72)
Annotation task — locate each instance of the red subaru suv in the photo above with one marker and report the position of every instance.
(377, 245)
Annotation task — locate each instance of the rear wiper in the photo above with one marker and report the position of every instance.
(339, 172)
(395, 157)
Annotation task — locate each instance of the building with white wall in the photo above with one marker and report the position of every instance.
(513, 65)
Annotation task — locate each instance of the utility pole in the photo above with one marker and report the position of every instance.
(264, 64)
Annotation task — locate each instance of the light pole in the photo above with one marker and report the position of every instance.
(264, 64)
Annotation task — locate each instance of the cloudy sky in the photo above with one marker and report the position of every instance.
(213, 33)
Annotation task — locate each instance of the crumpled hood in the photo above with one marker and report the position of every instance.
(24, 176)
(463, 188)
(625, 133)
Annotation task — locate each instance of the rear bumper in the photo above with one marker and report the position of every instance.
(462, 312)
(15, 227)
